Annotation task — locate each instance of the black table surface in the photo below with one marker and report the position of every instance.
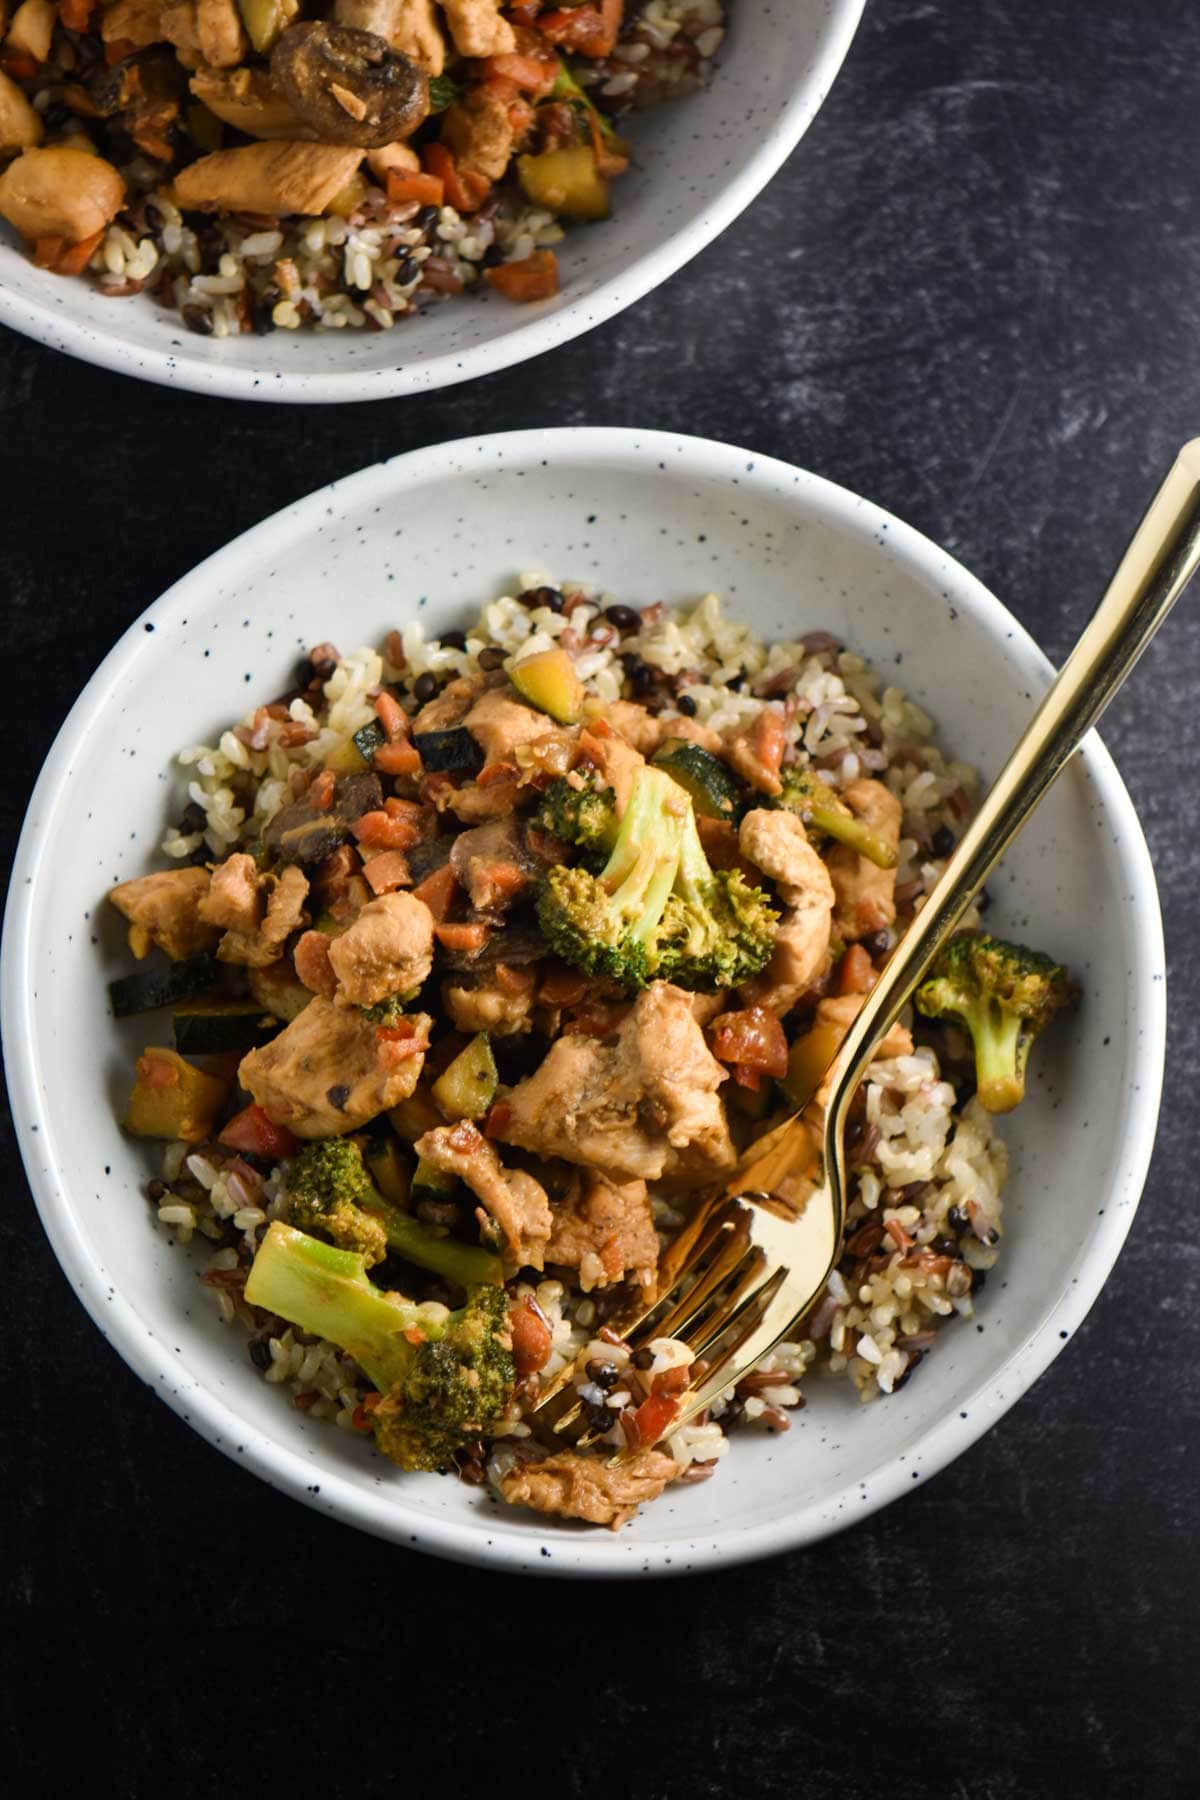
(974, 295)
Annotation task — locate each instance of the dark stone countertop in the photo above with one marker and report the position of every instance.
(973, 296)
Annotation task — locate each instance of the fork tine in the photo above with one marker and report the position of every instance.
(759, 1276)
(743, 1352)
(724, 1265)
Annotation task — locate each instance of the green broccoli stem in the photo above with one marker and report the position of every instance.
(326, 1292)
(997, 1033)
(694, 877)
(469, 1265)
(841, 824)
(641, 871)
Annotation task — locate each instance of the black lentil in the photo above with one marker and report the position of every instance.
(606, 1375)
(542, 596)
(406, 270)
(454, 640)
(978, 1280)
(193, 818)
(943, 841)
(426, 217)
(492, 658)
(623, 617)
(198, 319)
(337, 1095)
(643, 1358)
(260, 1353)
(425, 687)
(598, 1417)
(155, 1189)
(687, 706)
(957, 1219)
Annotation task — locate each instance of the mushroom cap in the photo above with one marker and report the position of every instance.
(350, 86)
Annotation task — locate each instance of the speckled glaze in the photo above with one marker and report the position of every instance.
(696, 166)
(647, 516)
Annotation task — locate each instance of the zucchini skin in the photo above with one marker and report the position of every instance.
(713, 787)
(453, 751)
(213, 1031)
(148, 989)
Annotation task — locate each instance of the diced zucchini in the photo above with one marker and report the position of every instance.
(147, 989)
(549, 682)
(279, 990)
(211, 1027)
(346, 758)
(430, 1183)
(267, 20)
(467, 1088)
(808, 1059)
(386, 1167)
(415, 1116)
(712, 785)
(368, 739)
(173, 1099)
(566, 181)
(453, 752)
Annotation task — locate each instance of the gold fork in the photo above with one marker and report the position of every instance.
(751, 1263)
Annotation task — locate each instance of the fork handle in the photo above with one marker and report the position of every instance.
(1160, 561)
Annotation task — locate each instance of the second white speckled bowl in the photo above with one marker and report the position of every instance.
(697, 164)
(645, 516)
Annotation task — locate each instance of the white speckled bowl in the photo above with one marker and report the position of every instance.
(647, 516)
(697, 164)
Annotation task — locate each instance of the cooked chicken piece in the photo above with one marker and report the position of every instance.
(777, 843)
(249, 100)
(59, 192)
(221, 35)
(478, 133)
(866, 895)
(285, 913)
(30, 29)
(840, 1011)
(274, 178)
(179, 25)
(499, 723)
(706, 1007)
(618, 762)
(329, 1072)
(641, 1104)
(587, 1487)
(388, 950)
(20, 126)
(478, 29)
(756, 750)
(604, 1231)
(514, 1199)
(648, 733)
(312, 964)
(493, 864)
(475, 805)
(137, 22)
(164, 909)
(498, 1001)
(400, 157)
(233, 900)
(410, 26)
(450, 707)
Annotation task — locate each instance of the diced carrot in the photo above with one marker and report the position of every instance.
(379, 831)
(252, 1130)
(398, 759)
(494, 772)
(535, 277)
(426, 190)
(363, 1412)
(465, 190)
(497, 1119)
(387, 871)
(535, 71)
(505, 879)
(469, 936)
(652, 1418)
(320, 793)
(562, 985)
(856, 972)
(391, 716)
(437, 891)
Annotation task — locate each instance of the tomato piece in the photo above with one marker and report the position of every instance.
(653, 1417)
(752, 1040)
(252, 1130)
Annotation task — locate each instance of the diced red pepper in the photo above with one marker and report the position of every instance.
(653, 1417)
(252, 1130)
(465, 190)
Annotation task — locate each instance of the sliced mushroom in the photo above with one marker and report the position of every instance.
(349, 85)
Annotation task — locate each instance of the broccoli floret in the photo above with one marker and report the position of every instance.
(606, 923)
(826, 812)
(717, 929)
(329, 1190)
(585, 815)
(444, 1376)
(1005, 996)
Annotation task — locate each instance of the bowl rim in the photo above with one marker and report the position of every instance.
(178, 366)
(385, 1513)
